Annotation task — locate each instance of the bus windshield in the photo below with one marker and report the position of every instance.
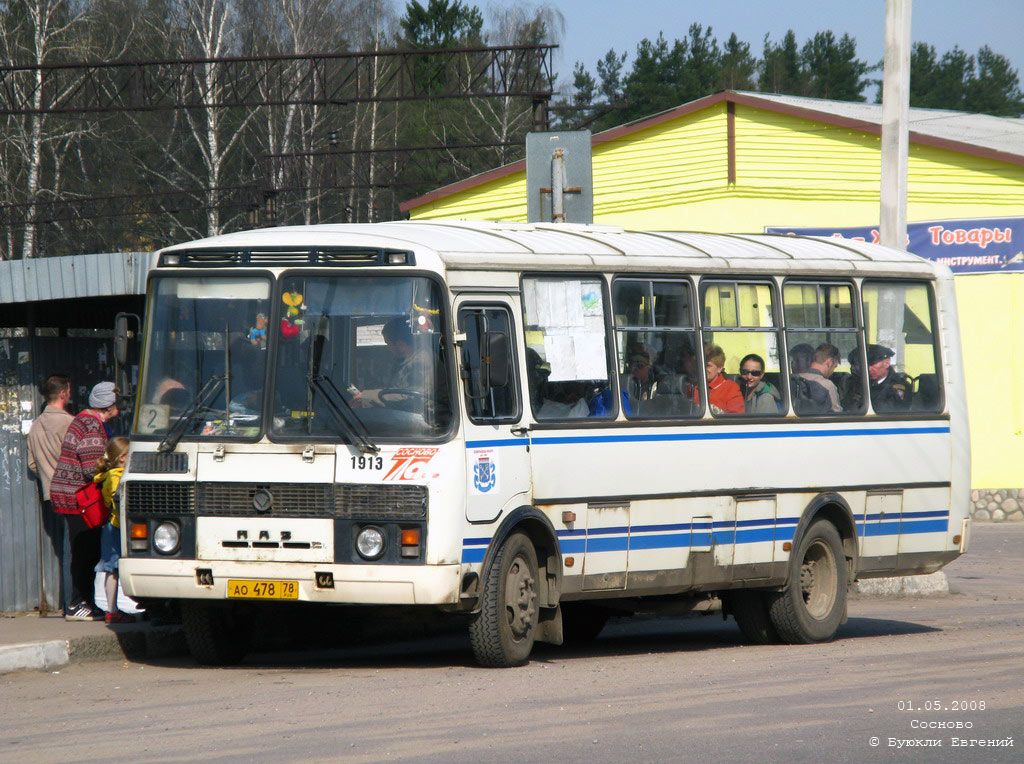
(375, 343)
(200, 327)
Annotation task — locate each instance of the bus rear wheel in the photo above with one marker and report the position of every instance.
(503, 632)
(811, 606)
(750, 609)
(217, 634)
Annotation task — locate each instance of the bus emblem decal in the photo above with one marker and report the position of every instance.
(485, 473)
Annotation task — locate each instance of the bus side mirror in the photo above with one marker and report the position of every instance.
(121, 339)
(495, 359)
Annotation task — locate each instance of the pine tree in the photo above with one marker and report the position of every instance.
(779, 70)
(833, 67)
(995, 89)
(738, 66)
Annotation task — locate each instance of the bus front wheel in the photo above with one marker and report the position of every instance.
(811, 606)
(217, 634)
(503, 632)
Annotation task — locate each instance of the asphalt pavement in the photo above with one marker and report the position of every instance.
(33, 642)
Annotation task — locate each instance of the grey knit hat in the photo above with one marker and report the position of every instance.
(103, 395)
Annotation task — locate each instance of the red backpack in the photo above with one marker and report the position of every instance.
(94, 510)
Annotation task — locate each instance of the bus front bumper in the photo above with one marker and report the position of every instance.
(352, 584)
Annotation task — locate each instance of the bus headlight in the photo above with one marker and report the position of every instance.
(370, 542)
(166, 538)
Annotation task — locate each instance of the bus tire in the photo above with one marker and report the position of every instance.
(811, 606)
(582, 622)
(503, 632)
(216, 634)
(750, 609)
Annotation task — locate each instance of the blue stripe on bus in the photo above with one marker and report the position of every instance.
(686, 436)
(905, 515)
(683, 535)
(607, 531)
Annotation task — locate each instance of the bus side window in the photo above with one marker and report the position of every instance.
(741, 332)
(566, 348)
(656, 347)
(485, 402)
(902, 358)
(823, 342)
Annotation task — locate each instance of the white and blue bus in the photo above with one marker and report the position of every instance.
(540, 426)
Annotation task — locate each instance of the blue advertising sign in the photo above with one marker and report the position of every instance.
(986, 245)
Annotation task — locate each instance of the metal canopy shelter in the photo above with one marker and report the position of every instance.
(56, 317)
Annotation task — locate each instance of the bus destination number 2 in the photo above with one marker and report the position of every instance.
(367, 462)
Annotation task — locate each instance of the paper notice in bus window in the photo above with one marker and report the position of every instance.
(575, 357)
(559, 353)
(590, 298)
(559, 303)
(590, 358)
(369, 334)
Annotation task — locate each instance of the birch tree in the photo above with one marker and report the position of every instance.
(34, 32)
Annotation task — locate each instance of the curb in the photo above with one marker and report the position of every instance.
(905, 586)
(34, 656)
(133, 644)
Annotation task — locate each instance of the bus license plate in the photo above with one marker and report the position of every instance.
(247, 589)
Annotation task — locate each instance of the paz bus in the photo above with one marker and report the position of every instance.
(518, 423)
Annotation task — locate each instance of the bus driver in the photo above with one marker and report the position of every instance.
(412, 369)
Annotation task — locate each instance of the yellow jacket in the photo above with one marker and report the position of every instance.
(110, 480)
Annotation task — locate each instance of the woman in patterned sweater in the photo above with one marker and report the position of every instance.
(84, 443)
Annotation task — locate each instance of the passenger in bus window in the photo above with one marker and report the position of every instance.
(724, 395)
(814, 392)
(641, 381)
(760, 395)
(537, 372)
(851, 395)
(677, 382)
(800, 357)
(891, 390)
(564, 400)
(412, 370)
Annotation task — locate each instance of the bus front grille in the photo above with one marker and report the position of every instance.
(154, 462)
(148, 497)
(345, 500)
(287, 499)
(376, 501)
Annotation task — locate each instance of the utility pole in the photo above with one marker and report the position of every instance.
(895, 115)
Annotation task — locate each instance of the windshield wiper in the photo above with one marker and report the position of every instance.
(350, 426)
(204, 396)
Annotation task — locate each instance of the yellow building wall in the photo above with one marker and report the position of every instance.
(641, 171)
(792, 171)
(992, 333)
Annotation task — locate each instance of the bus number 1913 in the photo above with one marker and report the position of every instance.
(367, 462)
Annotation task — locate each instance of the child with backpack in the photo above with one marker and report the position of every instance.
(109, 469)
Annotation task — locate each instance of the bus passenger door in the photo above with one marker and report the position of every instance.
(881, 529)
(497, 458)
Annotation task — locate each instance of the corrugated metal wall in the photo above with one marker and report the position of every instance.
(29, 569)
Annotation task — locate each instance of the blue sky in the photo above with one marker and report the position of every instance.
(594, 26)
